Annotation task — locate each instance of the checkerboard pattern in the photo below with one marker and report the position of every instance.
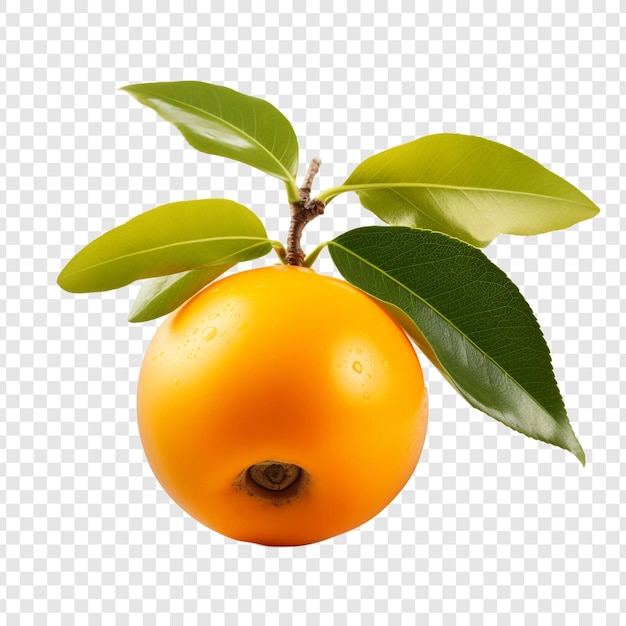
(493, 528)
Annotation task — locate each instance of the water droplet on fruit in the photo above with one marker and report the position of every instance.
(366, 396)
(209, 333)
(357, 367)
(243, 326)
(386, 363)
(176, 381)
(213, 316)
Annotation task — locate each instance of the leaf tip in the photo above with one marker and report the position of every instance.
(132, 90)
(62, 281)
(138, 314)
(576, 449)
(580, 455)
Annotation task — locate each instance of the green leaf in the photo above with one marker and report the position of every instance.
(171, 238)
(468, 318)
(161, 295)
(467, 187)
(218, 120)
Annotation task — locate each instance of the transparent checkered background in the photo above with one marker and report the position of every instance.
(493, 528)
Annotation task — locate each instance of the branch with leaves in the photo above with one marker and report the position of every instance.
(443, 197)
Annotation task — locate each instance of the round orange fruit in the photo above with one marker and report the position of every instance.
(282, 407)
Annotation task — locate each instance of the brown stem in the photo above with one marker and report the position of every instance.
(302, 213)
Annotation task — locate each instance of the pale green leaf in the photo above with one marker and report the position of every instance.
(218, 120)
(171, 238)
(467, 187)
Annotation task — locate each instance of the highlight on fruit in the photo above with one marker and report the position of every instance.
(283, 407)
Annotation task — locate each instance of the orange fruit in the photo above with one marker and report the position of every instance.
(282, 407)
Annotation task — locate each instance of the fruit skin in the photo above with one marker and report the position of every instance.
(282, 363)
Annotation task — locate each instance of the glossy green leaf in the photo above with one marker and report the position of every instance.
(218, 120)
(467, 187)
(161, 295)
(468, 318)
(171, 238)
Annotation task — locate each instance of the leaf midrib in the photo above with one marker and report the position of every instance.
(237, 130)
(440, 315)
(258, 240)
(335, 191)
